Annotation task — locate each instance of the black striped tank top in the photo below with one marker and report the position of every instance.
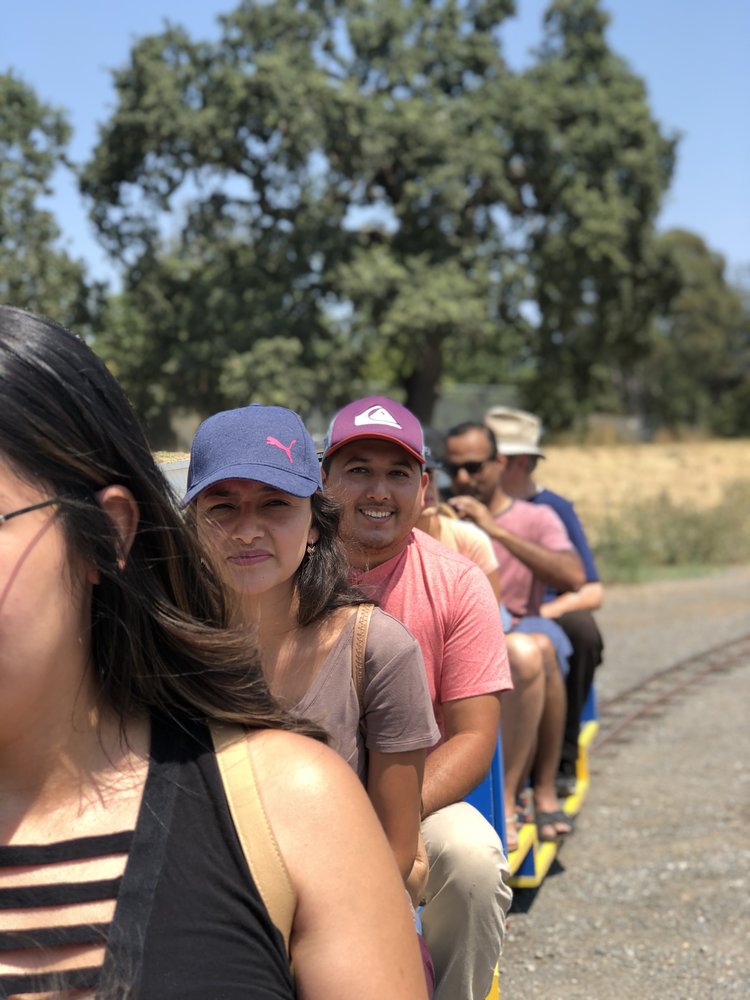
(186, 921)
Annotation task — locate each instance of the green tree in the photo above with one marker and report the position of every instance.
(696, 373)
(590, 166)
(366, 185)
(334, 167)
(187, 334)
(35, 273)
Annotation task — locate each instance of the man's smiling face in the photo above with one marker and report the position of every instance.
(380, 487)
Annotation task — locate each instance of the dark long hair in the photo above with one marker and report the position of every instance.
(159, 634)
(322, 577)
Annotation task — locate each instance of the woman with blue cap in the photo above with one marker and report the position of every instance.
(254, 489)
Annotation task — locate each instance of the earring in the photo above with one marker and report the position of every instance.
(310, 548)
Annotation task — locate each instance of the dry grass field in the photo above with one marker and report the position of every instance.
(607, 479)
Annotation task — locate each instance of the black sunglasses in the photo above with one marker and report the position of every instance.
(471, 468)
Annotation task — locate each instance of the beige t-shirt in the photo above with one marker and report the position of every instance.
(470, 541)
(397, 706)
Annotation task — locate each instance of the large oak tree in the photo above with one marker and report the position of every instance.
(340, 194)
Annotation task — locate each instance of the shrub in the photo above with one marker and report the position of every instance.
(658, 533)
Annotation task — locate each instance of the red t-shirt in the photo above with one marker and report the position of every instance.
(447, 604)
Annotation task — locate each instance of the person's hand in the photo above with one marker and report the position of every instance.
(469, 508)
(416, 883)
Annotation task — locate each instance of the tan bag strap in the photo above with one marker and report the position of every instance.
(257, 839)
(359, 649)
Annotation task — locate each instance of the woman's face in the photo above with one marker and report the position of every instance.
(258, 533)
(44, 614)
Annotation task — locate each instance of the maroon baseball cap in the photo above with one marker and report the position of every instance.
(376, 417)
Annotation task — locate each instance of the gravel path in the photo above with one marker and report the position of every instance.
(651, 896)
(651, 626)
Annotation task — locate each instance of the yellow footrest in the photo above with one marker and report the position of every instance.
(494, 993)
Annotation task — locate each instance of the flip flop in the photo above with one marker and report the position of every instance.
(547, 819)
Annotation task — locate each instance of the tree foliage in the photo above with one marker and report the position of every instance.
(334, 167)
(590, 166)
(35, 273)
(338, 194)
(697, 371)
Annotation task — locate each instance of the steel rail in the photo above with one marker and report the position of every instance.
(679, 677)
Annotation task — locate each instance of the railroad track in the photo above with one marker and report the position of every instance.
(648, 698)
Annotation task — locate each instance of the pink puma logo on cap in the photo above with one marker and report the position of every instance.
(278, 444)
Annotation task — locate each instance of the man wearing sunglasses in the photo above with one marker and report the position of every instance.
(533, 551)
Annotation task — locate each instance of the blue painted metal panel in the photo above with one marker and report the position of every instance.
(590, 711)
(488, 797)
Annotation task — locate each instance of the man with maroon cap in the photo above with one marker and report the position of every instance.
(374, 465)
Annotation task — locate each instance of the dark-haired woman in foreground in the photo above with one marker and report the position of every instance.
(120, 870)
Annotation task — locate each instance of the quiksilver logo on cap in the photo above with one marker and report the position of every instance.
(376, 415)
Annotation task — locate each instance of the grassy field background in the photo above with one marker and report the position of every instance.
(648, 507)
(610, 479)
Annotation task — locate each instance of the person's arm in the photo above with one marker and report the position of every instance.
(589, 598)
(494, 577)
(353, 933)
(561, 569)
(463, 759)
(394, 782)
(477, 547)
(399, 724)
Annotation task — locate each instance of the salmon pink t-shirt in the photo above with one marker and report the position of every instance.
(447, 604)
(522, 591)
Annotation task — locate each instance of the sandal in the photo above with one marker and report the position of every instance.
(551, 821)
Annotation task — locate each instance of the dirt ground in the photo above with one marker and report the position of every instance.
(651, 895)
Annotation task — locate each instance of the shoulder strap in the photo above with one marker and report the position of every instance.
(359, 648)
(259, 845)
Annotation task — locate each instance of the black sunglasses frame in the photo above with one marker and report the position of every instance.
(470, 468)
(27, 510)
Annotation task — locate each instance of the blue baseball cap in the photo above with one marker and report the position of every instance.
(268, 444)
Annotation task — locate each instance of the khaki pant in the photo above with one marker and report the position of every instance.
(466, 901)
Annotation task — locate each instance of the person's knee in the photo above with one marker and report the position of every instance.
(525, 658)
(467, 860)
(548, 654)
(583, 632)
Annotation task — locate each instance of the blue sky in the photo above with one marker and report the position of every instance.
(692, 55)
